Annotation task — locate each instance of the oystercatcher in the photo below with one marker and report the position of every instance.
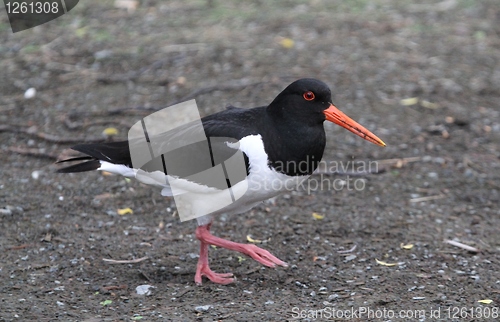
(282, 144)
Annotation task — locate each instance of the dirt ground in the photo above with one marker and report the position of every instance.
(424, 77)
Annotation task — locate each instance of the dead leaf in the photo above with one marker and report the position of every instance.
(409, 101)
(286, 43)
(124, 211)
(317, 216)
(407, 246)
(110, 131)
(387, 264)
(253, 241)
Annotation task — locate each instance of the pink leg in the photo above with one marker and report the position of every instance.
(203, 269)
(206, 238)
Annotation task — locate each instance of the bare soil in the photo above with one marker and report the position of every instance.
(424, 77)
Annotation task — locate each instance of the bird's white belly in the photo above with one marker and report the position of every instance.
(262, 183)
(203, 202)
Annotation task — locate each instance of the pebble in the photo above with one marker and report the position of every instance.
(300, 284)
(203, 308)
(15, 209)
(433, 175)
(468, 172)
(30, 93)
(5, 211)
(426, 158)
(103, 54)
(332, 297)
(349, 258)
(439, 160)
(35, 174)
(144, 289)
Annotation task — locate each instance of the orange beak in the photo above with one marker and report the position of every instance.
(334, 115)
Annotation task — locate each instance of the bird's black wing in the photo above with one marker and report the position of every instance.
(230, 126)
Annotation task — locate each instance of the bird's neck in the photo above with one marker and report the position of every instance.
(294, 150)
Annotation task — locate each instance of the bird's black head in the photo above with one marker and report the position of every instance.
(308, 102)
(304, 100)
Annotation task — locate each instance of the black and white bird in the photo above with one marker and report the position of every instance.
(282, 144)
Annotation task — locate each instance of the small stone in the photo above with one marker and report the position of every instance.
(35, 174)
(349, 258)
(468, 172)
(30, 93)
(433, 175)
(300, 284)
(5, 211)
(103, 54)
(144, 289)
(426, 158)
(332, 297)
(439, 160)
(203, 308)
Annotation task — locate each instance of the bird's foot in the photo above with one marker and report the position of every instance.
(261, 255)
(219, 278)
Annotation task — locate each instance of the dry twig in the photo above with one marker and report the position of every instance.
(348, 250)
(125, 261)
(428, 198)
(463, 246)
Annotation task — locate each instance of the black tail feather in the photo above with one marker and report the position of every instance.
(113, 152)
(81, 167)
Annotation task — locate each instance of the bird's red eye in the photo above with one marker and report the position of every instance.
(308, 96)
